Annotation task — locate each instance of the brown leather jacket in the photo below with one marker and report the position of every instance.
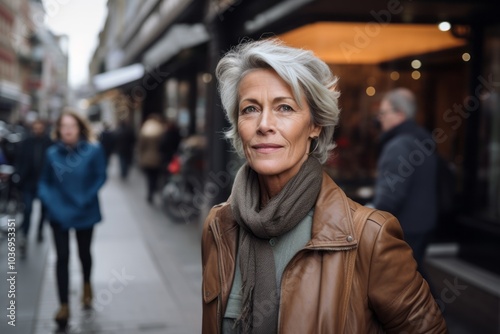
(343, 281)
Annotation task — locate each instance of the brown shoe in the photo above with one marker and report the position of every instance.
(87, 296)
(62, 316)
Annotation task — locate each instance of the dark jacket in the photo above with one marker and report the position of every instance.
(30, 160)
(70, 182)
(170, 143)
(107, 140)
(353, 276)
(125, 141)
(406, 180)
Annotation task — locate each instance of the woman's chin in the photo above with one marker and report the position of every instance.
(268, 168)
(69, 141)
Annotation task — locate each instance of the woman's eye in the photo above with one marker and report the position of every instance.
(285, 107)
(248, 109)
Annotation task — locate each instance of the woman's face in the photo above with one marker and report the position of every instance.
(69, 130)
(275, 131)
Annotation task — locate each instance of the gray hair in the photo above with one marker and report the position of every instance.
(301, 69)
(402, 100)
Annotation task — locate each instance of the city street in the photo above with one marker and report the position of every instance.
(146, 271)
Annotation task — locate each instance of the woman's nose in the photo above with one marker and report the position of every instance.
(267, 121)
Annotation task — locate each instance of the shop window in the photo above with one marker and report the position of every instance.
(429, 62)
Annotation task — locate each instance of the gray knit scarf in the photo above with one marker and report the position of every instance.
(282, 213)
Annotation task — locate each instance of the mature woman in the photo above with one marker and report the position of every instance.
(74, 171)
(289, 252)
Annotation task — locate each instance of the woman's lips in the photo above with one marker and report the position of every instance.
(266, 148)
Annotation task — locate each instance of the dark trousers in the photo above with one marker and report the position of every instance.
(125, 163)
(61, 240)
(28, 198)
(152, 175)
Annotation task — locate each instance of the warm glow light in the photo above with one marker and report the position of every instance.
(370, 91)
(466, 56)
(394, 75)
(416, 64)
(444, 26)
(206, 77)
(354, 43)
(415, 75)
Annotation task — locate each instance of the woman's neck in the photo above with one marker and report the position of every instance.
(270, 186)
(71, 144)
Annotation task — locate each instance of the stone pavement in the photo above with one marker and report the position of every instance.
(146, 270)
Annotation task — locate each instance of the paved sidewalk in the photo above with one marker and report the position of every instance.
(30, 273)
(146, 272)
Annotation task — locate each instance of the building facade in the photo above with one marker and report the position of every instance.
(33, 63)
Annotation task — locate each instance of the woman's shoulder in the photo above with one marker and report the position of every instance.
(219, 210)
(92, 147)
(371, 219)
(54, 150)
(378, 227)
(220, 215)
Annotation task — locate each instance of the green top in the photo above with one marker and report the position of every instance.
(284, 248)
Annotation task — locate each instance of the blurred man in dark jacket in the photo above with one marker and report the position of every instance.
(407, 166)
(29, 163)
(124, 146)
(107, 140)
(170, 142)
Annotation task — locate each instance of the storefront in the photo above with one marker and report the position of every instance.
(374, 46)
(155, 57)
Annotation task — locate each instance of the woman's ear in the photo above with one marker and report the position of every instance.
(315, 131)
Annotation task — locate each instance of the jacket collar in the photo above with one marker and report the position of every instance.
(67, 148)
(332, 221)
(408, 126)
(332, 227)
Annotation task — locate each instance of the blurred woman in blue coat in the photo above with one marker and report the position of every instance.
(74, 171)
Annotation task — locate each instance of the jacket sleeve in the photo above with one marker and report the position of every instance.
(45, 181)
(397, 293)
(20, 163)
(98, 175)
(394, 176)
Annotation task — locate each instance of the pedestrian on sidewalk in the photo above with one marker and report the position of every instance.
(150, 157)
(406, 185)
(107, 140)
(124, 144)
(169, 144)
(289, 252)
(73, 173)
(29, 164)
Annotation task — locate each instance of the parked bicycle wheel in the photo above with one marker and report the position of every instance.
(179, 199)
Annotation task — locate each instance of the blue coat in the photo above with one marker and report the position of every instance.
(69, 184)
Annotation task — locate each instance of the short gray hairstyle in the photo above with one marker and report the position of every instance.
(301, 69)
(402, 100)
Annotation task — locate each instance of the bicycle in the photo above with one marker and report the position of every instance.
(181, 199)
(10, 202)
